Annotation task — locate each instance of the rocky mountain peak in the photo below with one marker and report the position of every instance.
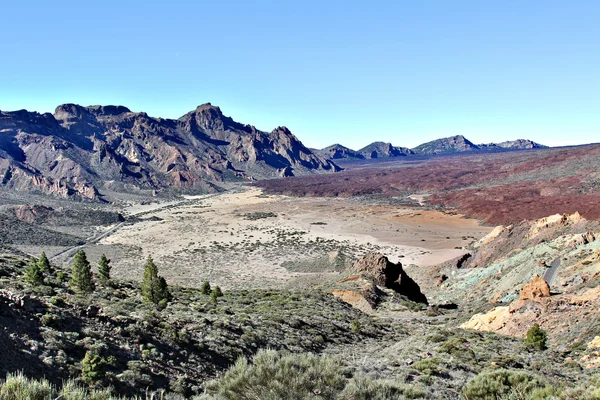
(80, 149)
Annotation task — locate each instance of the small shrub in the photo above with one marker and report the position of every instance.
(93, 368)
(205, 288)
(428, 366)
(500, 384)
(536, 338)
(282, 376)
(355, 326)
(18, 387)
(34, 275)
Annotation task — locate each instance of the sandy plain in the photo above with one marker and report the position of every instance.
(246, 239)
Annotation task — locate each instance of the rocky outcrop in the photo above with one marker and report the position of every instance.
(459, 144)
(536, 288)
(78, 151)
(454, 144)
(519, 144)
(338, 152)
(384, 150)
(382, 272)
(30, 213)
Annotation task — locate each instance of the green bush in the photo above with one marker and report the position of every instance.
(93, 368)
(205, 288)
(503, 384)
(536, 338)
(279, 375)
(428, 366)
(215, 294)
(18, 387)
(34, 275)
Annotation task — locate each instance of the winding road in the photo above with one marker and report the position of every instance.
(550, 273)
(97, 238)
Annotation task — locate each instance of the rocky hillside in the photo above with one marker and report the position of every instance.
(82, 151)
(115, 343)
(449, 145)
(337, 151)
(519, 144)
(383, 150)
(459, 144)
(545, 271)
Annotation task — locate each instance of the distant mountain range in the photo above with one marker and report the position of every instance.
(449, 145)
(81, 151)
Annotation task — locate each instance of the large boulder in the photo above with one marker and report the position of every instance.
(382, 272)
(536, 288)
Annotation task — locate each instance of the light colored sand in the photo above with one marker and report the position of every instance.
(212, 238)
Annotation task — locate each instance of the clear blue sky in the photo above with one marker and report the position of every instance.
(332, 71)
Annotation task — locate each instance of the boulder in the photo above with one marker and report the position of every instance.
(536, 288)
(377, 268)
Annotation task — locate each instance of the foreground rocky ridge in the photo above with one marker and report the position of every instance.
(330, 349)
(81, 151)
(545, 271)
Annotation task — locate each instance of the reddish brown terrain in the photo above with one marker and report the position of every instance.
(497, 188)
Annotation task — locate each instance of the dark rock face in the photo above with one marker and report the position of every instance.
(519, 144)
(338, 152)
(79, 150)
(454, 144)
(384, 150)
(382, 272)
(460, 144)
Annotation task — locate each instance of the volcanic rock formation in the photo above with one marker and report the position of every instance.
(376, 269)
(79, 151)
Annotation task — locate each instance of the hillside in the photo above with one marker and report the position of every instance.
(452, 144)
(444, 146)
(114, 341)
(81, 152)
(383, 150)
(337, 151)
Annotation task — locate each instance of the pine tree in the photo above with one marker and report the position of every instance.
(215, 294)
(93, 368)
(33, 274)
(154, 287)
(205, 288)
(44, 263)
(104, 268)
(536, 337)
(81, 280)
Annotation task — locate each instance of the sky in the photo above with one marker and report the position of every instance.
(349, 72)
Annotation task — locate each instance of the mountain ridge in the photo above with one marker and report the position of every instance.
(448, 145)
(78, 151)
